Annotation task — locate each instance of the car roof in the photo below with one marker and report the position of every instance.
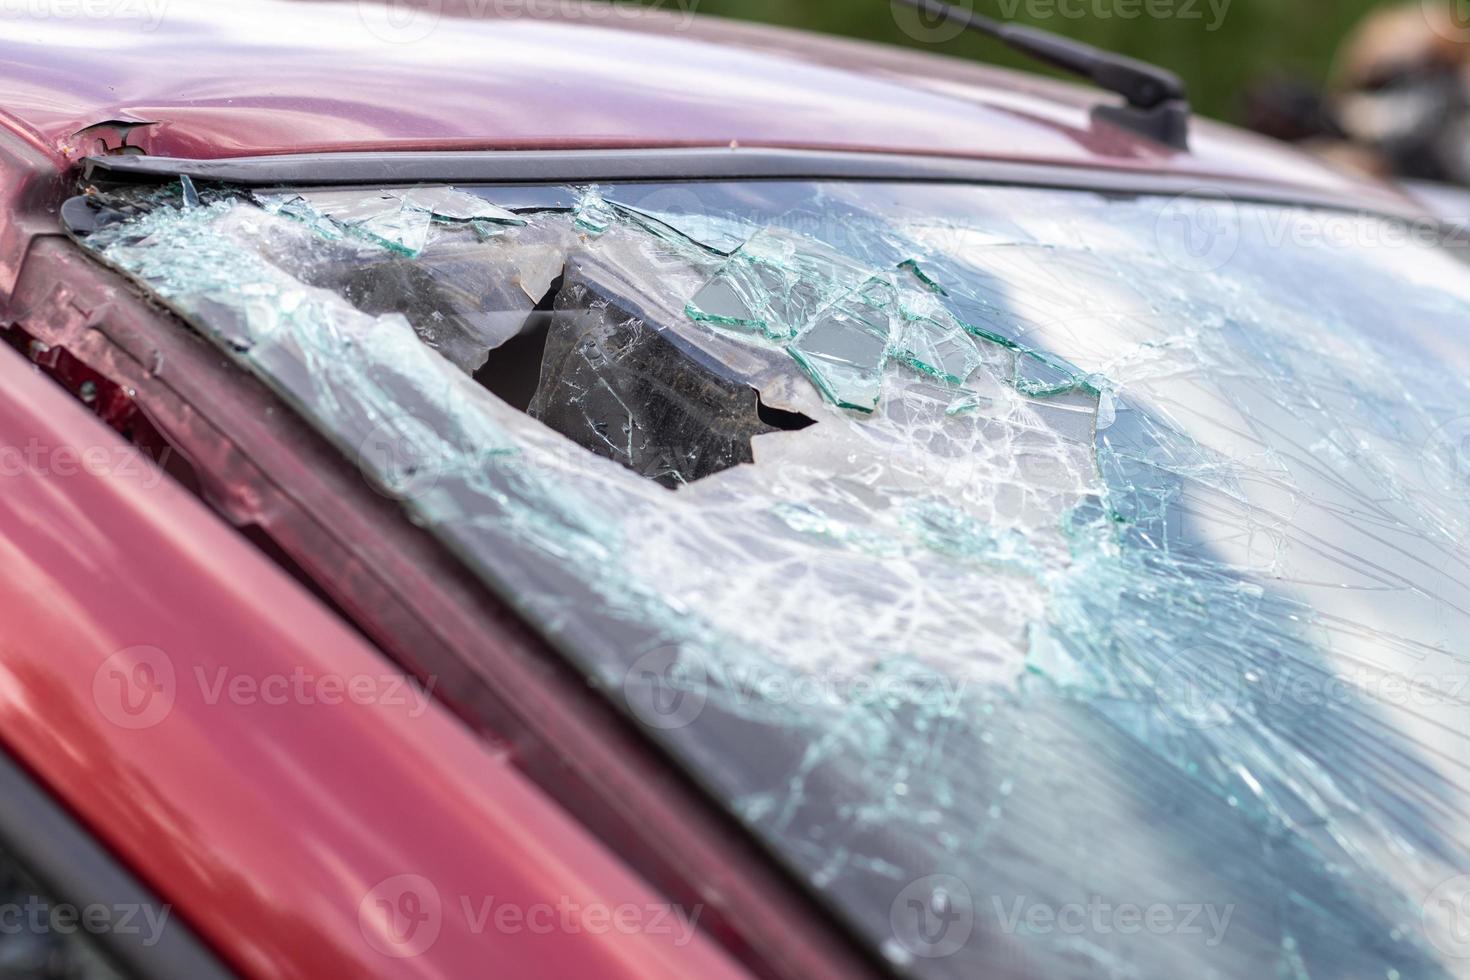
(211, 80)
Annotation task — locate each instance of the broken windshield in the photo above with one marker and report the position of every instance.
(1059, 585)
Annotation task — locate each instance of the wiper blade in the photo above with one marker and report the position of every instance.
(1157, 103)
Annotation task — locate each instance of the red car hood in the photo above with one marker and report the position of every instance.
(271, 76)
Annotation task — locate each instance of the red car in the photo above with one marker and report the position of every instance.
(618, 494)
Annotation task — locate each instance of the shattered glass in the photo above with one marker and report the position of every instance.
(1112, 619)
(775, 282)
(399, 220)
(843, 350)
(935, 343)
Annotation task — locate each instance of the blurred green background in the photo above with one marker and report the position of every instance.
(1255, 40)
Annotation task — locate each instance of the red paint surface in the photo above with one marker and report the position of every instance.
(268, 825)
(270, 76)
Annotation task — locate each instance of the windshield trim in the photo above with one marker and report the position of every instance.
(709, 164)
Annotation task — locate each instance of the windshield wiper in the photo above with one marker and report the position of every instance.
(1157, 104)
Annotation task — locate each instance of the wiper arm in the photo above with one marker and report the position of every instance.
(1157, 103)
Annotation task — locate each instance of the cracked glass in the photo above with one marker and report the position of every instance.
(1059, 585)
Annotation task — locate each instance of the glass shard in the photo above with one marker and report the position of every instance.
(378, 216)
(843, 352)
(1039, 375)
(591, 213)
(934, 343)
(779, 281)
(449, 204)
